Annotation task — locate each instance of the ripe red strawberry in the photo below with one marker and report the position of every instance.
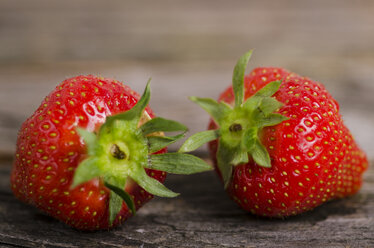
(280, 155)
(90, 139)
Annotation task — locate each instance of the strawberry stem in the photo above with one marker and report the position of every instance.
(117, 152)
(235, 127)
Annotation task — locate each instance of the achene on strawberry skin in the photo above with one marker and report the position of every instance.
(279, 143)
(93, 153)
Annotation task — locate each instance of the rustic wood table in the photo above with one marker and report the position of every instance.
(188, 48)
(203, 216)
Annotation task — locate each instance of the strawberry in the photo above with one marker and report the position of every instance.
(92, 154)
(285, 149)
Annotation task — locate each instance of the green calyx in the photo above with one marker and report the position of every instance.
(123, 148)
(239, 127)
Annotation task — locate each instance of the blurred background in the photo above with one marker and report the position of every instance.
(188, 48)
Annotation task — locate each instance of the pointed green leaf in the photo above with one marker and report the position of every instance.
(198, 139)
(115, 200)
(215, 109)
(260, 155)
(178, 163)
(238, 78)
(269, 89)
(143, 101)
(135, 112)
(86, 171)
(271, 120)
(225, 156)
(125, 116)
(263, 100)
(253, 145)
(159, 124)
(250, 137)
(124, 195)
(252, 103)
(156, 143)
(115, 205)
(151, 185)
(240, 157)
(269, 105)
(89, 138)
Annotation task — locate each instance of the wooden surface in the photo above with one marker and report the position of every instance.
(188, 48)
(203, 216)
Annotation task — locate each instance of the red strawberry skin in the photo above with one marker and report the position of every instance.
(313, 155)
(49, 149)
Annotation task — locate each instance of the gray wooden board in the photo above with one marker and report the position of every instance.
(203, 216)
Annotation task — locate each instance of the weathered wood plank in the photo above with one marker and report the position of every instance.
(203, 216)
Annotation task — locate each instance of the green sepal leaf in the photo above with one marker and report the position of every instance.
(216, 110)
(151, 185)
(115, 200)
(272, 120)
(260, 155)
(86, 171)
(238, 78)
(250, 137)
(198, 139)
(89, 138)
(240, 156)
(254, 147)
(262, 106)
(159, 124)
(269, 89)
(262, 99)
(269, 104)
(156, 143)
(143, 101)
(178, 163)
(115, 205)
(252, 103)
(135, 112)
(225, 155)
(124, 195)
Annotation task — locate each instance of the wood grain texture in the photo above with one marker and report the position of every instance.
(203, 216)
